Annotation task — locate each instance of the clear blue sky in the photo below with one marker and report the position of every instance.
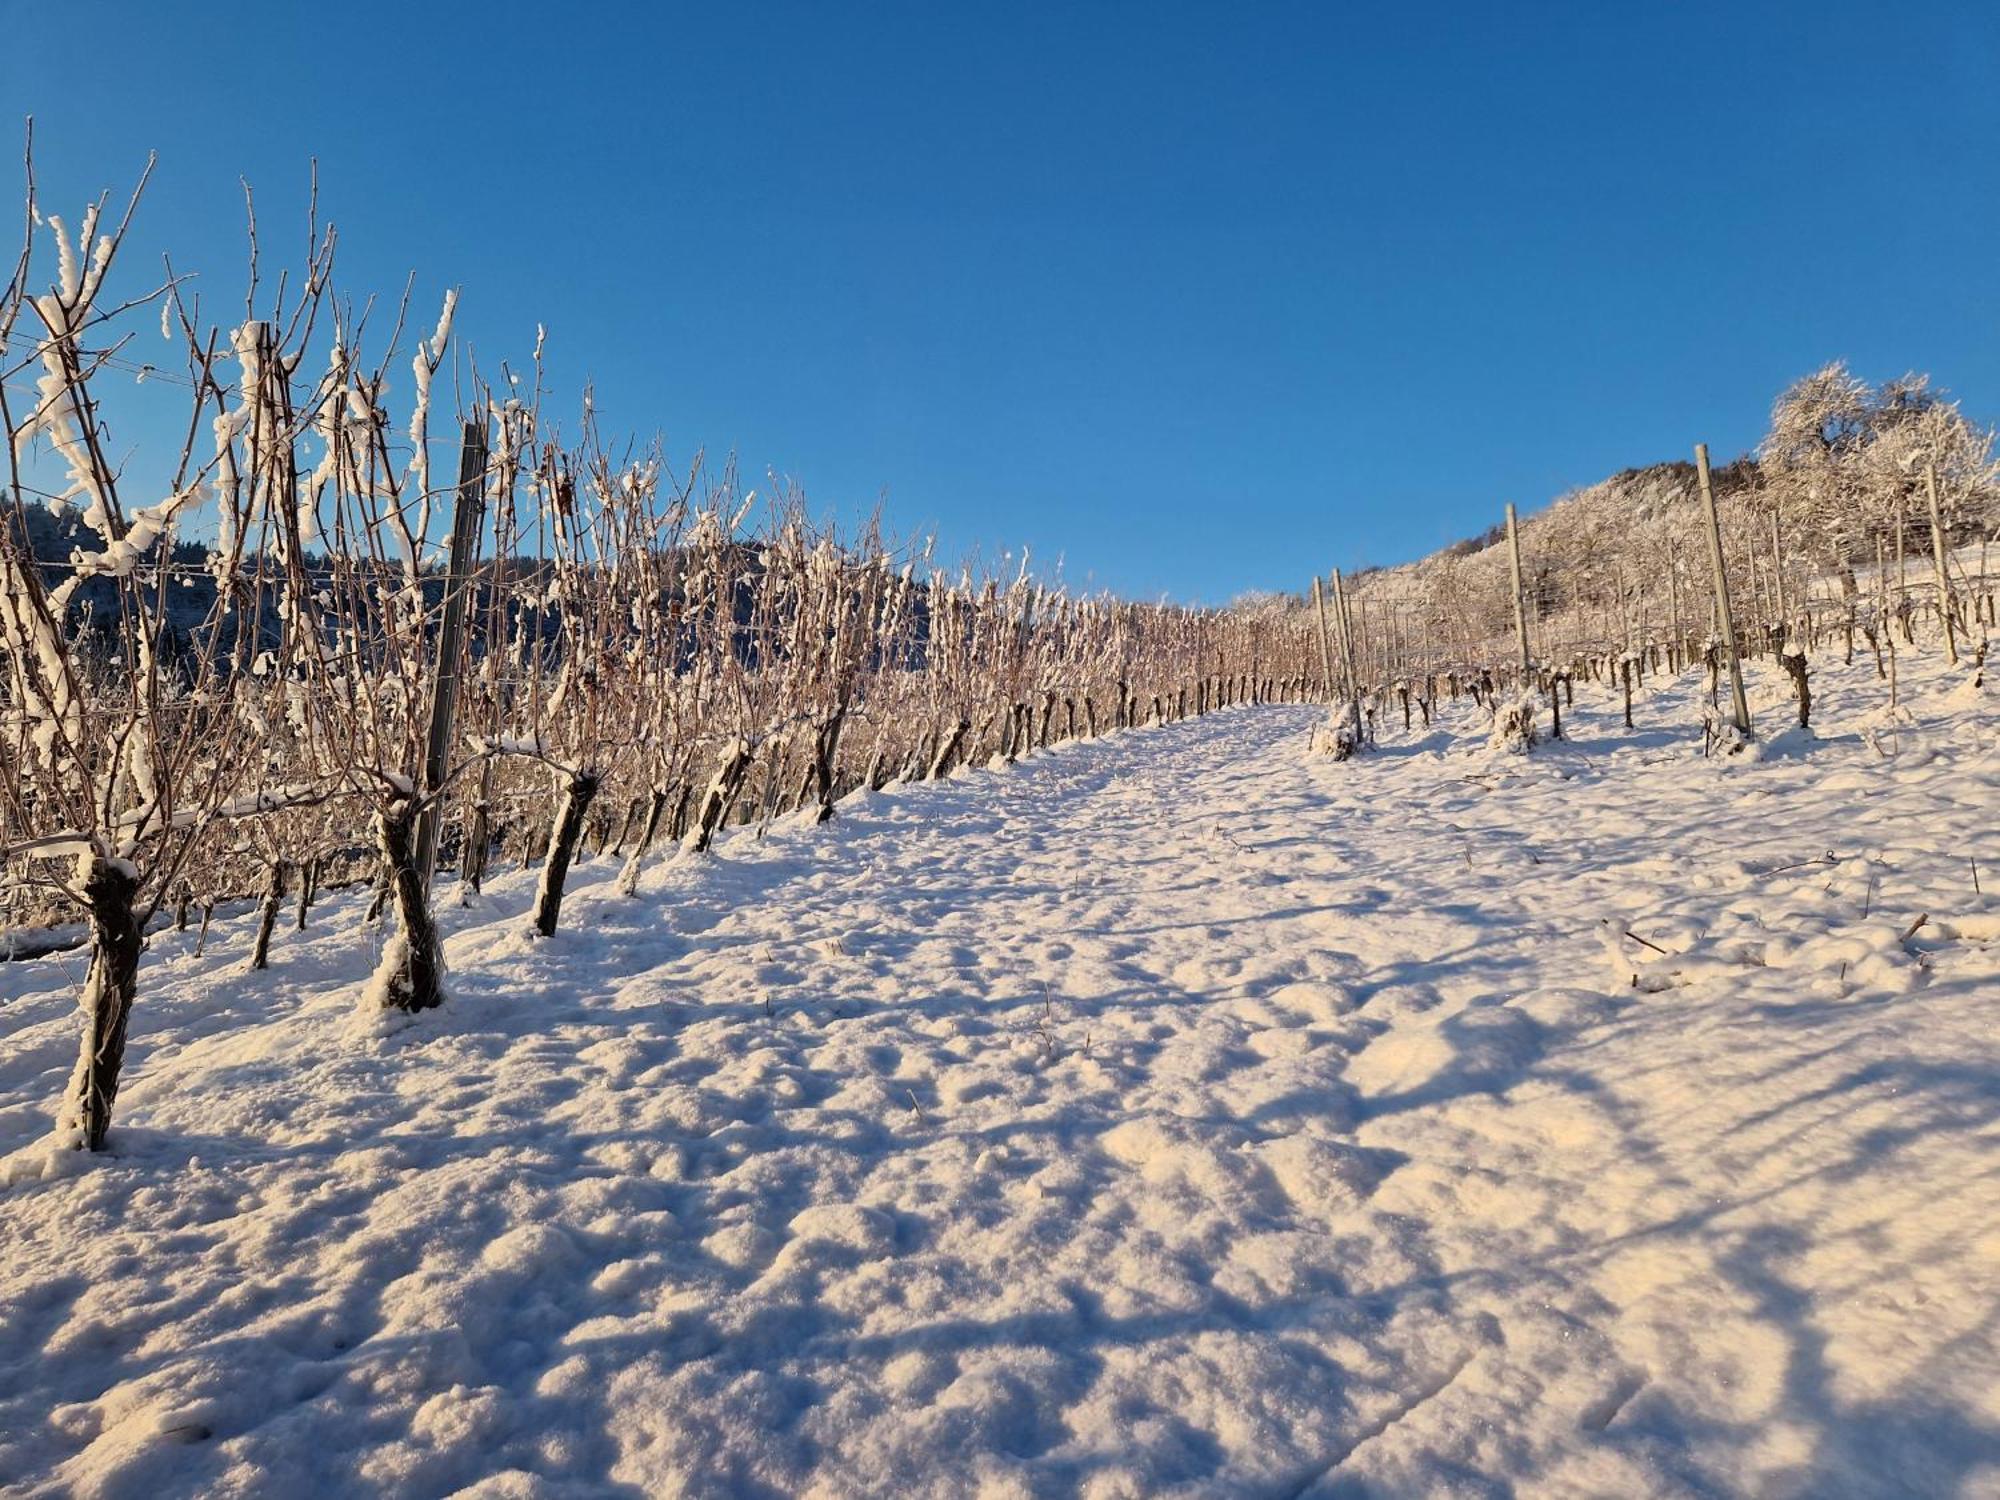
(1197, 297)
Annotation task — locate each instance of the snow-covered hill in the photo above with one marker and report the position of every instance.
(1174, 1113)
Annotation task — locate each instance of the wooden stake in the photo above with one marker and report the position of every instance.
(467, 517)
(1353, 683)
(1739, 703)
(1674, 609)
(1937, 557)
(1325, 645)
(1902, 572)
(1778, 570)
(1520, 604)
(1341, 624)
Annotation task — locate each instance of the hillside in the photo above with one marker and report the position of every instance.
(1171, 1113)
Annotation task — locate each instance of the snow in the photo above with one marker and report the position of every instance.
(1177, 1113)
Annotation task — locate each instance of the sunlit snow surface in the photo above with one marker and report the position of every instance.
(1172, 1114)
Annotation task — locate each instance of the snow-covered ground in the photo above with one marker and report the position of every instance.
(1171, 1114)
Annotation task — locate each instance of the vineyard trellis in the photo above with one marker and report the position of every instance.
(1802, 546)
(278, 669)
(313, 661)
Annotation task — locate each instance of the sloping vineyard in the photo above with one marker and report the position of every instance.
(342, 637)
(315, 654)
(1865, 519)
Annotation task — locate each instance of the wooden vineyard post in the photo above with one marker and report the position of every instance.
(468, 514)
(1778, 575)
(1677, 646)
(1624, 612)
(1739, 704)
(1352, 682)
(1903, 571)
(1344, 636)
(1520, 603)
(1325, 645)
(1937, 559)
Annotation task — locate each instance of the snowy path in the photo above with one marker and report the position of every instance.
(1174, 1113)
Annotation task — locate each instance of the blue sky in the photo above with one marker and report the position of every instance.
(1197, 298)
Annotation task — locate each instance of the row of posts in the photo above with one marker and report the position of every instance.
(1350, 681)
(1739, 702)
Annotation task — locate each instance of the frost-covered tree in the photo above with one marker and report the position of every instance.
(1814, 463)
(1844, 461)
